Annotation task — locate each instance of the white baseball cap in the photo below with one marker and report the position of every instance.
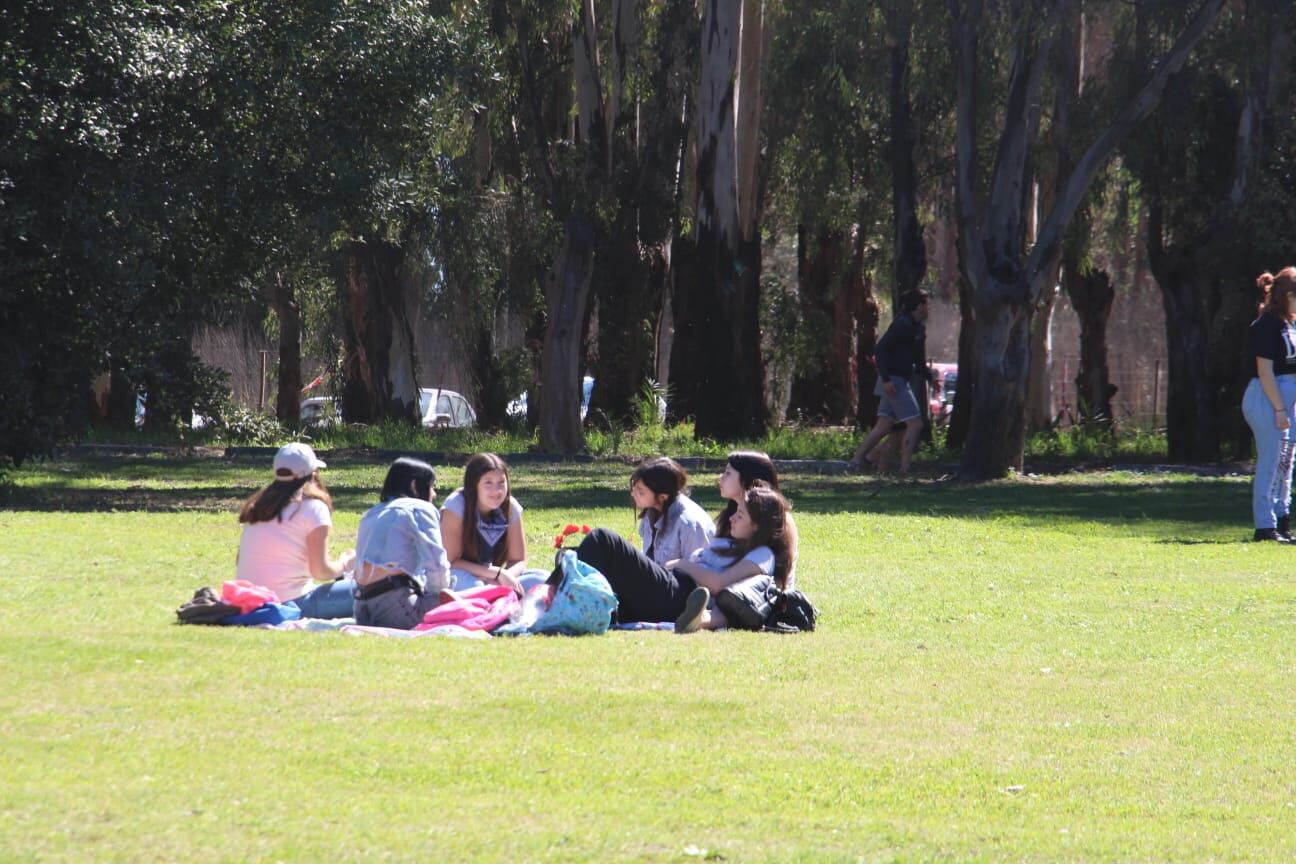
(299, 460)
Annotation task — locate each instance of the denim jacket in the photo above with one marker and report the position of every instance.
(687, 529)
(404, 534)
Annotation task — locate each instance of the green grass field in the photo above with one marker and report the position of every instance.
(1082, 668)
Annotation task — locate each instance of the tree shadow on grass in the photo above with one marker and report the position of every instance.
(1189, 501)
(153, 485)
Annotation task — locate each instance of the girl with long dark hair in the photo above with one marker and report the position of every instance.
(481, 525)
(401, 564)
(671, 525)
(743, 468)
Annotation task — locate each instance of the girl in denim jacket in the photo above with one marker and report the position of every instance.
(401, 563)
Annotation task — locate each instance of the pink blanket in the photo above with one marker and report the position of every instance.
(483, 608)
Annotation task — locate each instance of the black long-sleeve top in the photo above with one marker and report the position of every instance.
(902, 349)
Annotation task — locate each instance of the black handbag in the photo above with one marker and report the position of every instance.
(792, 612)
(748, 603)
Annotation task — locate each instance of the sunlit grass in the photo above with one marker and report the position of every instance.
(1093, 667)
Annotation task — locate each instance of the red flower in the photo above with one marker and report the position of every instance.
(568, 530)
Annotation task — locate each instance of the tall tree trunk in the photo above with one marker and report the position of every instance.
(380, 369)
(830, 286)
(121, 401)
(1091, 295)
(627, 320)
(567, 287)
(867, 316)
(910, 252)
(719, 376)
(1192, 414)
(288, 311)
(1004, 279)
(1039, 396)
(965, 391)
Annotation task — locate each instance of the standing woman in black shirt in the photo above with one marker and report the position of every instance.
(1269, 403)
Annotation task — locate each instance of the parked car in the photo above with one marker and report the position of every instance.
(321, 411)
(944, 382)
(439, 408)
(518, 407)
(196, 420)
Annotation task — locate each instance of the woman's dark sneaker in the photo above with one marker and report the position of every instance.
(691, 618)
(1283, 529)
(1267, 534)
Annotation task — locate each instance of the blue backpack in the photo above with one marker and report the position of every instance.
(583, 602)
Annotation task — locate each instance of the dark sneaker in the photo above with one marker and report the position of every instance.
(1283, 528)
(1270, 534)
(690, 620)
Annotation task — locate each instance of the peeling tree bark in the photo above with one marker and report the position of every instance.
(380, 366)
(288, 311)
(719, 375)
(1004, 281)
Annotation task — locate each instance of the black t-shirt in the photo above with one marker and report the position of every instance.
(902, 349)
(1275, 340)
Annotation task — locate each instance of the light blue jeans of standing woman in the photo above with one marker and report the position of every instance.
(1271, 491)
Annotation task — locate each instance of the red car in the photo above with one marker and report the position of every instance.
(944, 380)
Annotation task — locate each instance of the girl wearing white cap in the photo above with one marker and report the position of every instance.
(284, 545)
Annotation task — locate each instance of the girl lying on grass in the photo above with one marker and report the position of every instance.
(671, 525)
(743, 468)
(284, 544)
(681, 590)
(401, 564)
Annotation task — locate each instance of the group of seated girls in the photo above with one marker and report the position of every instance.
(411, 555)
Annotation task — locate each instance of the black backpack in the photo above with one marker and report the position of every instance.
(758, 604)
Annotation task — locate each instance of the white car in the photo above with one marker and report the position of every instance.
(321, 411)
(518, 407)
(439, 409)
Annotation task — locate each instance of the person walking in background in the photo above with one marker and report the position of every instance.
(1269, 402)
(900, 352)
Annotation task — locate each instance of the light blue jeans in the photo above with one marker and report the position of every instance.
(1271, 491)
(462, 580)
(330, 600)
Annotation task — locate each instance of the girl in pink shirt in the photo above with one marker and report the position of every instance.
(284, 544)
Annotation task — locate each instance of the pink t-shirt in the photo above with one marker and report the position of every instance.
(273, 553)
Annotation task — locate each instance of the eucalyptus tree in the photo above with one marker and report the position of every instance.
(599, 111)
(1004, 276)
(716, 366)
(1216, 171)
(825, 127)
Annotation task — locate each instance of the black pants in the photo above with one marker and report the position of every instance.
(645, 590)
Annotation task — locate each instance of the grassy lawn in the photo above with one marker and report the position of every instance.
(1090, 667)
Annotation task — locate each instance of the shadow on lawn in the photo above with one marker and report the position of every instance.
(573, 488)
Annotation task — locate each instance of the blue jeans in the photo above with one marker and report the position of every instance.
(330, 600)
(1271, 491)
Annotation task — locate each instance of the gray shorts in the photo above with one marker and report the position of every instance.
(900, 408)
(400, 608)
